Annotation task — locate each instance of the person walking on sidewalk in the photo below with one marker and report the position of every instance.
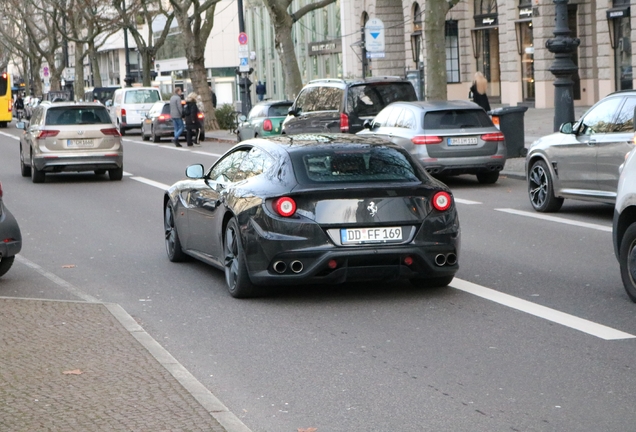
(176, 112)
(191, 115)
(478, 91)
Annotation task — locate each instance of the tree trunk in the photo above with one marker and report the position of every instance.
(36, 65)
(284, 44)
(434, 24)
(92, 57)
(78, 83)
(146, 60)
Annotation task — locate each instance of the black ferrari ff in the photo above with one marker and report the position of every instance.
(304, 209)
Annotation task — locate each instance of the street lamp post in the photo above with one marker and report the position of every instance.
(244, 80)
(128, 79)
(562, 45)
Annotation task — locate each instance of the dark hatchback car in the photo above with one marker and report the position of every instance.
(10, 237)
(158, 123)
(336, 105)
(309, 209)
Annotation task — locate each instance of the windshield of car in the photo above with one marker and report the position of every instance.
(278, 110)
(142, 96)
(367, 100)
(359, 165)
(77, 115)
(103, 94)
(456, 118)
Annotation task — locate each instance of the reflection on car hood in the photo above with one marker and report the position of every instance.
(553, 138)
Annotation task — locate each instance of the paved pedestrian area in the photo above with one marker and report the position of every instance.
(76, 366)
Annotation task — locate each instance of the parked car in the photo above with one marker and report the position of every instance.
(130, 105)
(158, 124)
(581, 160)
(70, 136)
(264, 119)
(10, 237)
(336, 105)
(30, 106)
(624, 226)
(446, 137)
(314, 209)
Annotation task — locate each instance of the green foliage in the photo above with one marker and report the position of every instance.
(225, 116)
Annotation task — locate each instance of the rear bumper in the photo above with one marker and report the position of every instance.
(10, 235)
(456, 166)
(79, 163)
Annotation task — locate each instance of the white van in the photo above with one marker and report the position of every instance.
(130, 106)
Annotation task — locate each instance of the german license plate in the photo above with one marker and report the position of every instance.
(370, 235)
(462, 141)
(80, 143)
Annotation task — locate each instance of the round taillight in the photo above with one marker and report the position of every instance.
(285, 206)
(267, 125)
(442, 201)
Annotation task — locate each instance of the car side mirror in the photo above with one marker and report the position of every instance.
(293, 111)
(109, 103)
(368, 124)
(21, 125)
(195, 171)
(242, 117)
(566, 128)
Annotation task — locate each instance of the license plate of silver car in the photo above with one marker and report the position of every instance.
(462, 141)
(370, 235)
(80, 143)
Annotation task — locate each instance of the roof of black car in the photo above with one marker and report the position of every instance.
(357, 80)
(301, 142)
(442, 105)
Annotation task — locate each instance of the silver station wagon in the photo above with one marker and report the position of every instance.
(446, 137)
(582, 160)
(69, 136)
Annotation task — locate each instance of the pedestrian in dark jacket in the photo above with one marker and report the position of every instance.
(478, 91)
(191, 113)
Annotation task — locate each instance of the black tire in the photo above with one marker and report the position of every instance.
(173, 244)
(488, 177)
(5, 264)
(236, 277)
(116, 173)
(436, 282)
(627, 261)
(25, 170)
(37, 176)
(541, 190)
(154, 136)
(144, 136)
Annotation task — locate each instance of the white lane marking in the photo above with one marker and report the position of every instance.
(58, 280)
(127, 174)
(567, 320)
(10, 136)
(465, 201)
(556, 219)
(144, 180)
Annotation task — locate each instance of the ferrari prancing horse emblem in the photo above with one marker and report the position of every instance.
(373, 209)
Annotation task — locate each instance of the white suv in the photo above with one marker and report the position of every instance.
(130, 105)
(624, 227)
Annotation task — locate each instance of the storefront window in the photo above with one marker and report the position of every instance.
(485, 39)
(452, 52)
(525, 45)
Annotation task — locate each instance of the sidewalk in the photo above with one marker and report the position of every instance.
(79, 366)
(537, 123)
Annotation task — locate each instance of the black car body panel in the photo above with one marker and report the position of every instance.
(314, 234)
(10, 235)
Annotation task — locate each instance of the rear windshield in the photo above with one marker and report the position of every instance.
(103, 95)
(367, 100)
(376, 164)
(451, 119)
(77, 115)
(142, 96)
(278, 110)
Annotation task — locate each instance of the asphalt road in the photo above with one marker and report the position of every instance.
(534, 334)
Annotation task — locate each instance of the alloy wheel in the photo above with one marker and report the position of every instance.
(538, 189)
(231, 257)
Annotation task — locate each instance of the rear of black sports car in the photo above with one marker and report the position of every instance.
(357, 213)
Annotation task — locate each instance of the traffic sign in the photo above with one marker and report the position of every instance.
(374, 37)
(45, 71)
(242, 38)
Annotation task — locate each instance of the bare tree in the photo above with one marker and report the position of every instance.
(434, 34)
(195, 22)
(283, 21)
(147, 11)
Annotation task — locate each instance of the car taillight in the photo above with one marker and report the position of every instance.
(200, 115)
(285, 206)
(10, 105)
(47, 133)
(267, 125)
(344, 123)
(442, 201)
(110, 131)
(495, 136)
(163, 117)
(1, 190)
(123, 111)
(426, 139)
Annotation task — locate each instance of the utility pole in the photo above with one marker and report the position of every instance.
(244, 80)
(128, 79)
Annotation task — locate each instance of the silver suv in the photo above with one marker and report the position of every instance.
(624, 227)
(69, 136)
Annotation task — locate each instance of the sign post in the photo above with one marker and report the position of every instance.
(244, 71)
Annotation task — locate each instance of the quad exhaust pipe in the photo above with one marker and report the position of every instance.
(296, 266)
(448, 259)
(280, 267)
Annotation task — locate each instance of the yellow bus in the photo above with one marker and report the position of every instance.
(6, 101)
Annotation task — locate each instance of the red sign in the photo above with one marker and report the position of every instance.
(243, 38)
